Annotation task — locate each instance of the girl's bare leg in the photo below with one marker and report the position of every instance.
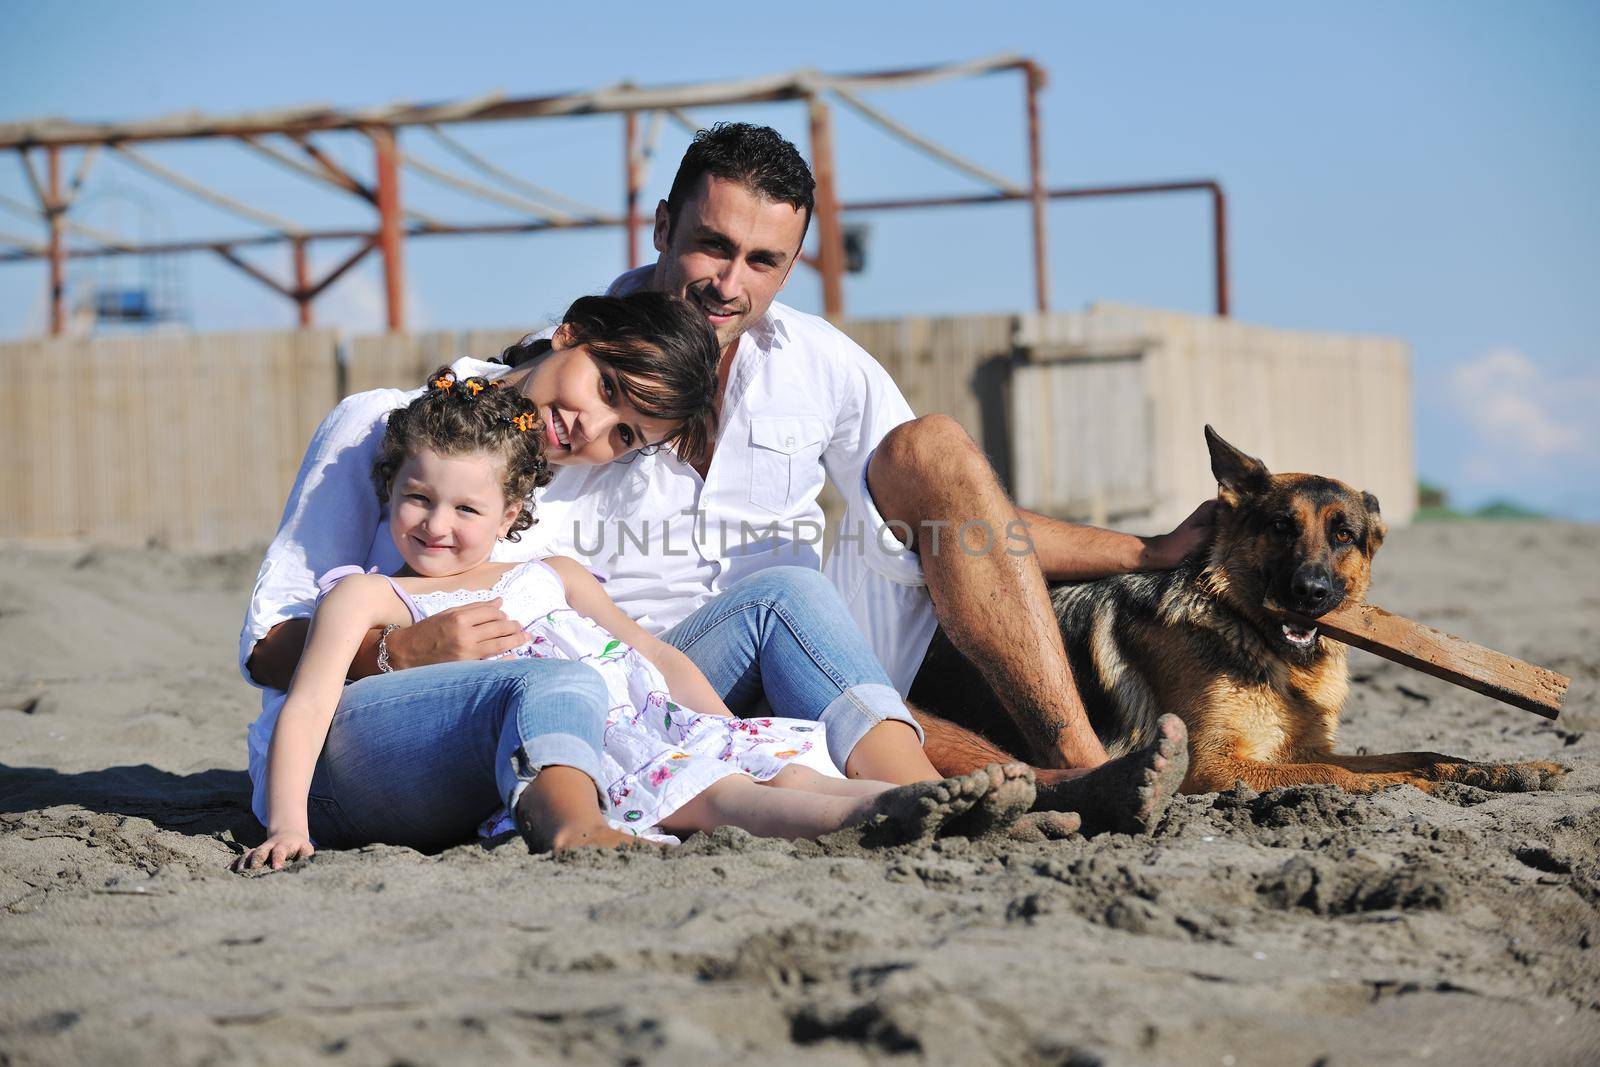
(739, 800)
(996, 795)
(796, 777)
(559, 810)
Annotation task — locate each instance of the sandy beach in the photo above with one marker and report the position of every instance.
(1302, 926)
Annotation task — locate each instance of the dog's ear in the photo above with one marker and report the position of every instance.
(1237, 474)
(1377, 529)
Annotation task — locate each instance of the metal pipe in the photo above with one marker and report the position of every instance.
(302, 283)
(338, 272)
(483, 229)
(40, 193)
(1036, 191)
(18, 208)
(1214, 189)
(1219, 246)
(1068, 192)
(28, 243)
(563, 205)
(81, 175)
(791, 85)
(630, 150)
(390, 241)
(1219, 218)
(324, 171)
(924, 144)
(481, 191)
(830, 235)
(254, 271)
(58, 263)
(211, 196)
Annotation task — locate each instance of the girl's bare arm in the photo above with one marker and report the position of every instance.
(343, 618)
(687, 685)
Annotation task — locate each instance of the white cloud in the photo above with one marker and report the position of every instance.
(1507, 399)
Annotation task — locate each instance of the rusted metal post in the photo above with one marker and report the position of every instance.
(1037, 193)
(830, 234)
(1219, 246)
(630, 161)
(302, 283)
(390, 241)
(56, 210)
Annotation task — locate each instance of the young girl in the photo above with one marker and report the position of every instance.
(457, 468)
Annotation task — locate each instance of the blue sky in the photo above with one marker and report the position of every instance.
(1422, 170)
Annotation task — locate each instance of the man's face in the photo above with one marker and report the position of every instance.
(729, 254)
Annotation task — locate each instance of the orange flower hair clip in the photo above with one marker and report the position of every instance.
(473, 386)
(526, 422)
(444, 381)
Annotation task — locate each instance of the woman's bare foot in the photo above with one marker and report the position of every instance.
(921, 810)
(1128, 794)
(559, 811)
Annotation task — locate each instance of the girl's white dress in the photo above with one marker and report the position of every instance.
(658, 755)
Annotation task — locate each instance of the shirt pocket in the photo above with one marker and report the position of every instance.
(784, 461)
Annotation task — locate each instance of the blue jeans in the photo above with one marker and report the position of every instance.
(784, 632)
(421, 757)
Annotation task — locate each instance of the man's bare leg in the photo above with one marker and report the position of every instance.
(991, 602)
(1125, 795)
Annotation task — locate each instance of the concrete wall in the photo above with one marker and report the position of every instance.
(1334, 404)
(193, 440)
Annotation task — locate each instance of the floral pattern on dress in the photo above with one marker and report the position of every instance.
(657, 754)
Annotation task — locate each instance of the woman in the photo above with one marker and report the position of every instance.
(411, 753)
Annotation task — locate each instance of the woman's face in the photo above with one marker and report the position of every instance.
(587, 417)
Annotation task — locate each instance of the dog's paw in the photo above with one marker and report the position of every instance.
(1501, 777)
(1550, 774)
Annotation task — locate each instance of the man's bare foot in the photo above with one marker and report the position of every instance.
(1127, 795)
(559, 811)
(919, 811)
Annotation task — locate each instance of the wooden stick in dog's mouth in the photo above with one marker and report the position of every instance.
(1455, 659)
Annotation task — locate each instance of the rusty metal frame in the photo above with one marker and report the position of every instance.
(382, 127)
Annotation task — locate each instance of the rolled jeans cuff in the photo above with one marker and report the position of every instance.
(518, 768)
(857, 710)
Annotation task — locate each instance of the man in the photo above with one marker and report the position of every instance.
(801, 401)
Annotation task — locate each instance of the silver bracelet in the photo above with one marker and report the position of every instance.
(383, 648)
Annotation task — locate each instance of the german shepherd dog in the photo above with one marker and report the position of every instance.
(1223, 641)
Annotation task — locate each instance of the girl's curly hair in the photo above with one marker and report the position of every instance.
(457, 417)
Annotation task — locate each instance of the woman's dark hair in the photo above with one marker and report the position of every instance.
(757, 157)
(460, 416)
(664, 353)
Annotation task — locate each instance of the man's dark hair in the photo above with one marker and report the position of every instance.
(756, 157)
